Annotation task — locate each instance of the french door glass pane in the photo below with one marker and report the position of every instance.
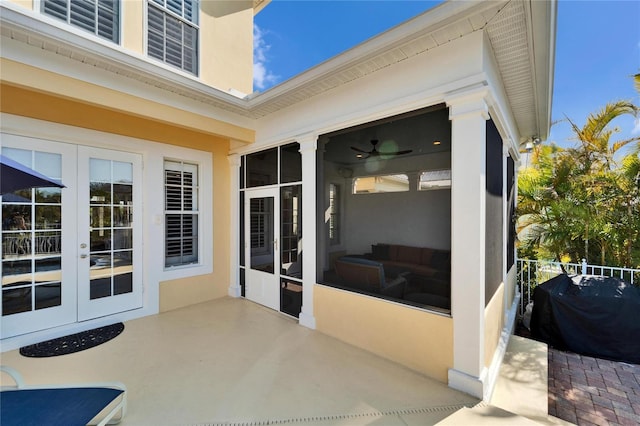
(31, 239)
(111, 236)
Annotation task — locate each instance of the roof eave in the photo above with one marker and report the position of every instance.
(544, 22)
(258, 5)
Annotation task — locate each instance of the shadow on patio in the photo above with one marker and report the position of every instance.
(230, 361)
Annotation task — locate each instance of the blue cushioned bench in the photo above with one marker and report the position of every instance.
(64, 405)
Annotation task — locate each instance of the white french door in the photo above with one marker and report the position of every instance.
(38, 227)
(70, 254)
(262, 250)
(109, 245)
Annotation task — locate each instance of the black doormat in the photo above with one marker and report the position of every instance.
(72, 343)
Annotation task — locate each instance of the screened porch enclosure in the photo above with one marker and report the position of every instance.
(387, 184)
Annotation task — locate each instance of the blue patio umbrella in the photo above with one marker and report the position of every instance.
(15, 176)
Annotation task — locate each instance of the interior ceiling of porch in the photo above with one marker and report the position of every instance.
(424, 132)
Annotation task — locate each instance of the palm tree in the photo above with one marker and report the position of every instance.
(575, 199)
(542, 206)
(594, 137)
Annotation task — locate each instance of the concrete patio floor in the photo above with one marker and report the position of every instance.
(231, 361)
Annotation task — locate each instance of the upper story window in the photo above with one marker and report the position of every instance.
(100, 17)
(172, 32)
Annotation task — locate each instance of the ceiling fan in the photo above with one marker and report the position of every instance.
(375, 153)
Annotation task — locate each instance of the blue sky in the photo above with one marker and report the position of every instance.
(597, 48)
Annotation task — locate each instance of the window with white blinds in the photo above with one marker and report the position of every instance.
(100, 17)
(181, 213)
(172, 32)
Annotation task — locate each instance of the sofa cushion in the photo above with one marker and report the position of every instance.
(425, 256)
(393, 252)
(380, 251)
(409, 254)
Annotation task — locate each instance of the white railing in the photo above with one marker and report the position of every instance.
(534, 272)
(21, 246)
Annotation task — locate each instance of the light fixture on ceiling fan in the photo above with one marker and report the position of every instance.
(375, 153)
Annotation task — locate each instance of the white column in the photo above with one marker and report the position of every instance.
(308, 145)
(468, 112)
(506, 220)
(234, 226)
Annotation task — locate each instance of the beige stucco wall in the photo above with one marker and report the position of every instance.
(510, 288)
(415, 338)
(226, 44)
(494, 322)
(133, 25)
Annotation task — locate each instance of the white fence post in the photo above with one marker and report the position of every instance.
(584, 266)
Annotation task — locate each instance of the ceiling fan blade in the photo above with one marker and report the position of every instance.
(407, 151)
(359, 150)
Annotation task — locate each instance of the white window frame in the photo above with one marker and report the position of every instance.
(117, 32)
(161, 6)
(205, 217)
(186, 192)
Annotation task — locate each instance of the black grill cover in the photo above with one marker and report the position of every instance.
(590, 315)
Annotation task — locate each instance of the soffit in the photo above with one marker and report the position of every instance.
(508, 24)
(258, 5)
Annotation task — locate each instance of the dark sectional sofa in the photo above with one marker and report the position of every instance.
(421, 261)
(418, 275)
(368, 275)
